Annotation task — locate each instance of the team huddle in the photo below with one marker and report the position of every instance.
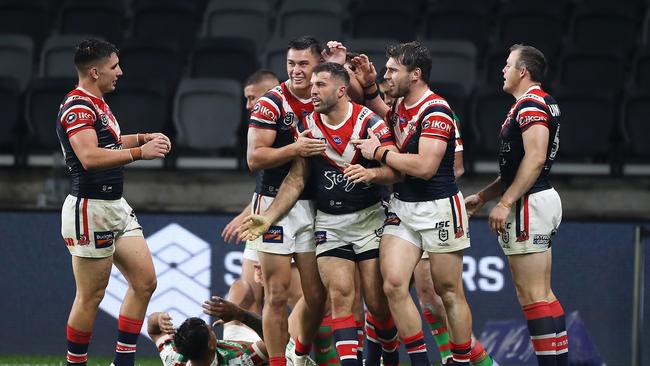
(355, 196)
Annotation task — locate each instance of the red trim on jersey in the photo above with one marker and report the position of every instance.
(437, 137)
(524, 128)
(74, 132)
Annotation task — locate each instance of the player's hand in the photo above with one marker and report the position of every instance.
(498, 216)
(367, 146)
(253, 227)
(364, 70)
(334, 52)
(230, 233)
(473, 203)
(220, 308)
(358, 174)
(307, 146)
(155, 149)
(165, 324)
(157, 135)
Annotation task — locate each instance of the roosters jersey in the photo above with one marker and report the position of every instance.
(80, 111)
(334, 193)
(430, 117)
(283, 112)
(535, 107)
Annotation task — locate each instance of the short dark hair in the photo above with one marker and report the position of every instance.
(335, 70)
(260, 76)
(532, 59)
(412, 55)
(306, 43)
(92, 50)
(191, 339)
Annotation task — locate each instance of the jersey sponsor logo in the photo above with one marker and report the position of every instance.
(320, 236)
(71, 117)
(337, 140)
(440, 125)
(337, 179)
(266, 112)
(104, 239)
(529, 119)
(273, 235)
(392, 219)
(383, 131)
(544, 240)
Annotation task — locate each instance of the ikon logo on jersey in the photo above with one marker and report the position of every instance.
(273, 235)
(104, 239)
(85, 115)
(71, 117)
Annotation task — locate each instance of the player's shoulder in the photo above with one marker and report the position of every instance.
(77, 96)
(533, 97)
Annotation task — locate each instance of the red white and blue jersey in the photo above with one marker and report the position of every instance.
(334, 193)
(279, 110)
(535, 107)
(430, 117)
(80, 111)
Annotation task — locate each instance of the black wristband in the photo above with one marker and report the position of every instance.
(374, 152)
(372, 95)
(384, 156)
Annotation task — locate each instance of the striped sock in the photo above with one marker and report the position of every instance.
(127, 338)
(478, 356)
(416, 349)
(461, 353)
(325, 353)
(278, 361)
(373, 347)
(302, 349)
(561, 336)
(360, 337)
(345, 338)
(387, 337)
(542, 331)
(77, 346)
(440, 334)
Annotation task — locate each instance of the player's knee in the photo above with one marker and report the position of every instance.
(529, 295)
(145, 286)
(277, 296)
(342, 299)
(425, 292)
(449, 292)
(394, 287)
(92, 298)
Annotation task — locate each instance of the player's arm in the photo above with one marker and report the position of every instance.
(227, 311)
(289, 192)
(459, 167)
(260, 155)
(474, 202)
(159, 325)
(92, 157)
(139, 139)
(423, 165)
(230, 233)
(365, 73)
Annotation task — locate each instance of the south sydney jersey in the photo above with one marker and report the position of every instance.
(80, 111)
(430, 117)
(334, 193)
(534, 107)
(282, 111)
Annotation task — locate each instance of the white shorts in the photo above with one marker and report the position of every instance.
(439, 226)
(251, 255)
(292, 233)
(90, 227)
(238, 332)
(361, 230)
(532, 222)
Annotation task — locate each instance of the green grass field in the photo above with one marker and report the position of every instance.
(60, 361)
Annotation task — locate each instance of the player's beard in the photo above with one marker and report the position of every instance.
(326, 104)
(398, 90)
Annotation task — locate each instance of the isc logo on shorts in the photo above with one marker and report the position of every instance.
(104, 239)
(320, 236)
(273, 235)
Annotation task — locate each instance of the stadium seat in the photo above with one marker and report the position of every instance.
(42, 101)
(495, 59)
(151, 60)
(641, 74)
(634, 125)
(16, 56)
(224, 57)
(528, 23)
(374, 48)
(32, 18)
(275, 57)
(165, 20)
(238, 18)
(57, 56)
(140, 106)
(489, 109)
(442, 21)
(595, 70)
(10, 107)
(457, 98)
(586, 124)
(602, 25)
(92, 17)
(323, 20)
(453, 61)
(382, 19)
(207, 114)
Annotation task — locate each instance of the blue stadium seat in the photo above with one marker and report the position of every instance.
(224, 57)
(489, 109)
(10, 107)
(16, 58)
(275, 57)
(32, 18)
(151, 60)
(634, 125)
(166, 20)
(57, 56)
(641, 74)
(323, 20)
(442, 20)
(453, 61)
(374, 48)
(604, 25)
(104, 18)
(598, 70)
(382, 19)
(238, 18)
(141, 106)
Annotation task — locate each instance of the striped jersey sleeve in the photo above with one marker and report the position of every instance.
(77, 114)
(381, 130)
(438, 122)
(267, 110)
(457, 134)
(531, 110)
